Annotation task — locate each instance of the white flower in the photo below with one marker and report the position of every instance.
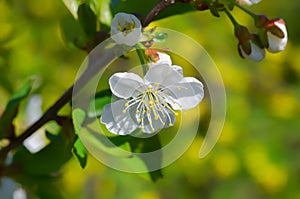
(256, 54)
(149, 103)
(276, 43)
(248, 2)
(126, 29)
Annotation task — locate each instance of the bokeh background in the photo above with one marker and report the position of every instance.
(257, 155)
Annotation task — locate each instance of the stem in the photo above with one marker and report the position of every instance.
(244, 9)
(141, 54)
(232, 19)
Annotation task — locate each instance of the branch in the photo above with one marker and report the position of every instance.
(161, 5)
(51, 113)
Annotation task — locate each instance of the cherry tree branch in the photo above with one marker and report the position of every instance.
(51, 113)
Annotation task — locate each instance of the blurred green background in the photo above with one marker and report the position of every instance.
(257, 153)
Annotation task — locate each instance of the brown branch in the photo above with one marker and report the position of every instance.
(161, 5)
(51, 113)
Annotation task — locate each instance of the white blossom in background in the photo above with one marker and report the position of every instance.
(150, 103)
(126, 29)
(257, 53)
(276, 43)
(33, 112)
(248, 2)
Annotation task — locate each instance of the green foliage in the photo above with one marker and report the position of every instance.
(7, 129)
(80, 152)
(87, 20)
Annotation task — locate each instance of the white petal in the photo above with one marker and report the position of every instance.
(257, 54)
(115, 120)
(188, 93)
(127, 36)
(163, 74)
(125, 85)
(277, 44)
(178, 69)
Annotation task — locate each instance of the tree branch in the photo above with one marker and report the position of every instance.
(161, 5)
(51, 113)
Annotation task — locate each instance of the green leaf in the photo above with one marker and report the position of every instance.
(72, 6)
(101, 8)
(11, 110)
(87, 20)
(78, 116)
(160, 37)
(80, 152)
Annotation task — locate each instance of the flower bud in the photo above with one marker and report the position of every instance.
(252, 49)
(277, 35)
(126, 29)
(248, 2)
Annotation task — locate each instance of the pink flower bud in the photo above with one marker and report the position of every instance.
(277, 35)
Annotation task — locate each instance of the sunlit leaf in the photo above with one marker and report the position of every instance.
(80, 152)
(11, 110)
(78, 116)
(72, 6)
(101, 8)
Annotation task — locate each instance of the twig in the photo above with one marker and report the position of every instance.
(51, 113)
(161, 5)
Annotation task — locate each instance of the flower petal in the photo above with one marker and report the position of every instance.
(126, 85)
(163, 74)
(187, 94)
(115, 120)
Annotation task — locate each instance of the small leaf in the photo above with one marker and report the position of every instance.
(11, 110)
(78, 116)
(160, 37)
(101, 8)
(87, 20)
(80, 152)
(214, 11)
(72, 6)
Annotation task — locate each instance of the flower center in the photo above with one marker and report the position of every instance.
(126, 28)
(152, 105)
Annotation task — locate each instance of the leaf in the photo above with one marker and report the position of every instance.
(72, 6)
(11, 110)
(101, 8)
(78, 116)
(87, 20)
(160, 37)
(80, 152)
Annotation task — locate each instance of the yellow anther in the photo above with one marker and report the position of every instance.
(176, 113)
(153, 129)
(150, 122)
(156, 117)
(156, 101)
(143, 101)
(137, 111)
(186, 88)
(156, 84)
(126, 104)
(179, 88)
(170, 124)
(139, 120)
(142, 127)
(144, 111)
(166, 94)
(150, 87)
(155, 92)
(150, 102)
(124, 111)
